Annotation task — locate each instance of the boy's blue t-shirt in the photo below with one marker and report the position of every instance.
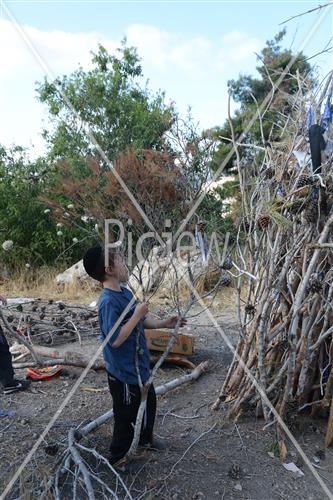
(120, 361)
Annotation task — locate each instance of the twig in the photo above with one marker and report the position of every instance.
(187, 450)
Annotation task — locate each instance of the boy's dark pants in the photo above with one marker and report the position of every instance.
(6, 367)
(126, 402)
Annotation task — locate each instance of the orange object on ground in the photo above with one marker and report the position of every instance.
(157, 340)
(46, 373)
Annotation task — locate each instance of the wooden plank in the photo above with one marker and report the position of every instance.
(157, 340)
(329, 432)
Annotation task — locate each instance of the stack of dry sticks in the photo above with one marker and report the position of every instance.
(285, 241)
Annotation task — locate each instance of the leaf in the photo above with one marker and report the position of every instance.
(283, 451)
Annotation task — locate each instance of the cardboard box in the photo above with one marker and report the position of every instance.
(157, 340)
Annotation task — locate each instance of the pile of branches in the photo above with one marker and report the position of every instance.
(285, 242)
(49, 322)
(40, 327)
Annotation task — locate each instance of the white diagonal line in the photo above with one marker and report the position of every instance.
(64, 402)
(270, 96)
(93, 140)
(260, 390)
(88, 132)
(48, 72)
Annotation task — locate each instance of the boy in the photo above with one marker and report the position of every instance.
(120, 351)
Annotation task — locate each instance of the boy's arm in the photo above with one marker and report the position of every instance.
(152, 323)
(140, 311)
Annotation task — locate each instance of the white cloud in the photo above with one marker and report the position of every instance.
(237, 47)
(161, 49)
(197, 56)
(234, 37)
(151, 42)
(192, 70)
(192, 55)
(62, 51)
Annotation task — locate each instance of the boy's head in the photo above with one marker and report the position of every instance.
(102, 270)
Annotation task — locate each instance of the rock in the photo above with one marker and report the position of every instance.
(75, 273)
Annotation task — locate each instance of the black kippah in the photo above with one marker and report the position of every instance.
(93, 262)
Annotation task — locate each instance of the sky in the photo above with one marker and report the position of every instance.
(189, 49)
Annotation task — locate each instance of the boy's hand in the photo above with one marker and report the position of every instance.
(171, 322)
(141, 310)
(2, 300)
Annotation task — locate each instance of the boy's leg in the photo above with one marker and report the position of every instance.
(126, 401)
(6, 367)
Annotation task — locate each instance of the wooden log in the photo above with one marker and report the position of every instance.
(69, 358)
(160, 390)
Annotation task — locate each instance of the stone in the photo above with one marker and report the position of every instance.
(73, 274)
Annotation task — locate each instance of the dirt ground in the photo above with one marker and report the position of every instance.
(208, 456)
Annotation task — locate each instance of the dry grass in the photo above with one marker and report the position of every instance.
(42, 284)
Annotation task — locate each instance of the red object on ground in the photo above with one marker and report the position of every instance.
(46, 373)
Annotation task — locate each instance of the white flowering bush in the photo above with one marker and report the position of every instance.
(7, 245)
(30, 225)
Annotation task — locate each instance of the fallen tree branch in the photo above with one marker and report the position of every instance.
(84, 475)
(160, 390)
(70, 358)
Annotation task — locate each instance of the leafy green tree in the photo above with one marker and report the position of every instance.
(121, 112)
(249, 92)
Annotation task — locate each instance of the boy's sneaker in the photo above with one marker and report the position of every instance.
(16, 386)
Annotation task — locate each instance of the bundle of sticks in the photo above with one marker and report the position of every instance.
(50, 322)
(285, 241)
